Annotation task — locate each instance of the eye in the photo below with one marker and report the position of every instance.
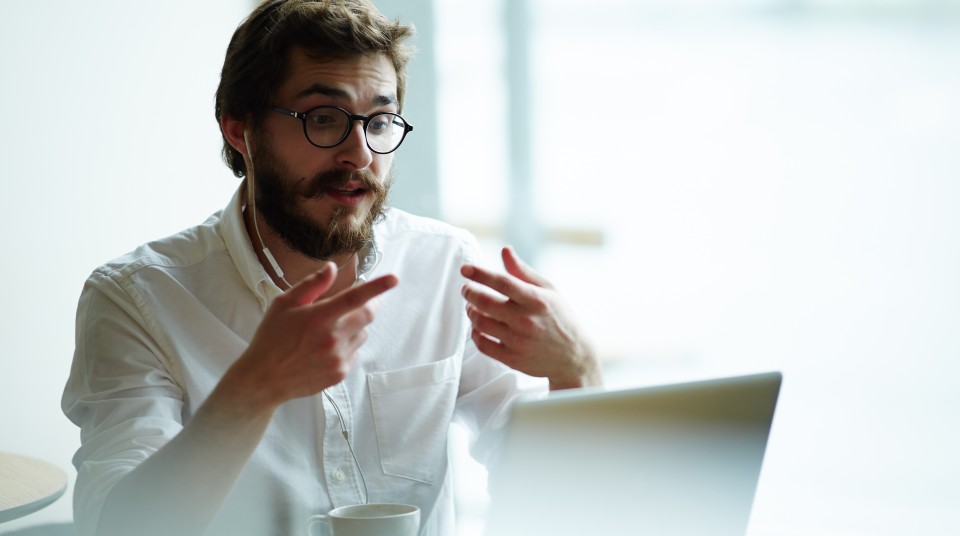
(326, 119)
(321, 118)
(383, 123)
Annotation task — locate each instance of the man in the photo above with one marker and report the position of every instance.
(304, 348)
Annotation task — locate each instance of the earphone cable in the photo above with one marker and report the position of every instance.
(273, 262)
(346, 437)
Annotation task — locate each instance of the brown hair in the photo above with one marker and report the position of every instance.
(257, 58)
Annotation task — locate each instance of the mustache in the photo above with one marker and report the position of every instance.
(338, 178)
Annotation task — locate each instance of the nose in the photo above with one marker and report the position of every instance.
(353, 152)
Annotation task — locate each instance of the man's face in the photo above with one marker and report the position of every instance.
(323, 202)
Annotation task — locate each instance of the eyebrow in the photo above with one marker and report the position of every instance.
(336, 93)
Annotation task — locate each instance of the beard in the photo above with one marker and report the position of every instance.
(279, 199)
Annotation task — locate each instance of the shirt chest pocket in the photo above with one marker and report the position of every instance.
(412, 408)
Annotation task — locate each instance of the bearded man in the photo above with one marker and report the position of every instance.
(307, 347)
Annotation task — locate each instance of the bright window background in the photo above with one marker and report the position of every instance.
(776, 184)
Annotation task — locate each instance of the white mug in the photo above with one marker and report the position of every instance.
(375, 519)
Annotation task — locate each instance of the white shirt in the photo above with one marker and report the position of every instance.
(157, 328)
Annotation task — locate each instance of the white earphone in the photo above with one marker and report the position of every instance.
(253, 206)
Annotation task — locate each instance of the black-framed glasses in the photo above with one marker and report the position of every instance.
(328, 126)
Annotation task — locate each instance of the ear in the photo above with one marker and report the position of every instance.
(233, 131)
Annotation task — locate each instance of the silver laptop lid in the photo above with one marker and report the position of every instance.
(681, 459)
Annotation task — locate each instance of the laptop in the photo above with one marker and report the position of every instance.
(681, 459)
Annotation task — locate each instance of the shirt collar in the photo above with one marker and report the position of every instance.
(369, 257)
(238, 243)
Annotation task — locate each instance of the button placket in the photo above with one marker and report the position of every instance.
(341, 477)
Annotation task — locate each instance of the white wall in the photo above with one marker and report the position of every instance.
(107, 139)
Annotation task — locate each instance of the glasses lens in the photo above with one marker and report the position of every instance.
(327, 126)
(385, 132)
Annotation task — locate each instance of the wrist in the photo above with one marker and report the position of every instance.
(243, 395)
(587, 374)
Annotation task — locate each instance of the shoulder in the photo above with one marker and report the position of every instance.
(399, 227)
(403, 235)
(397, 222)
(184, 249)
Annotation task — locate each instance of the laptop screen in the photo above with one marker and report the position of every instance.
(678, 459)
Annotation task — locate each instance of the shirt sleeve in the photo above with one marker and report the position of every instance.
(488, 388)
(119, 393)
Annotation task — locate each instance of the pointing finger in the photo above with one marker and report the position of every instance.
(312, 287)
(359, 295)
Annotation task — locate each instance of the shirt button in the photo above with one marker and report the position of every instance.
(339, 475)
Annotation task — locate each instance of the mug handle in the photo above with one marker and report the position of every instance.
(319, 518)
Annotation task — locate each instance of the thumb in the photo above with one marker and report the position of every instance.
(521, 270)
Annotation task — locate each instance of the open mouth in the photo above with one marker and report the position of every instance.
(347, 196)
(349, 191)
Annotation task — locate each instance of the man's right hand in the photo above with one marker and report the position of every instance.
(307, 341)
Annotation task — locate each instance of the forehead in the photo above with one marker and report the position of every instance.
(365, 81)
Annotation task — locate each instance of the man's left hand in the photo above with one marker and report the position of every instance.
(526, 326)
